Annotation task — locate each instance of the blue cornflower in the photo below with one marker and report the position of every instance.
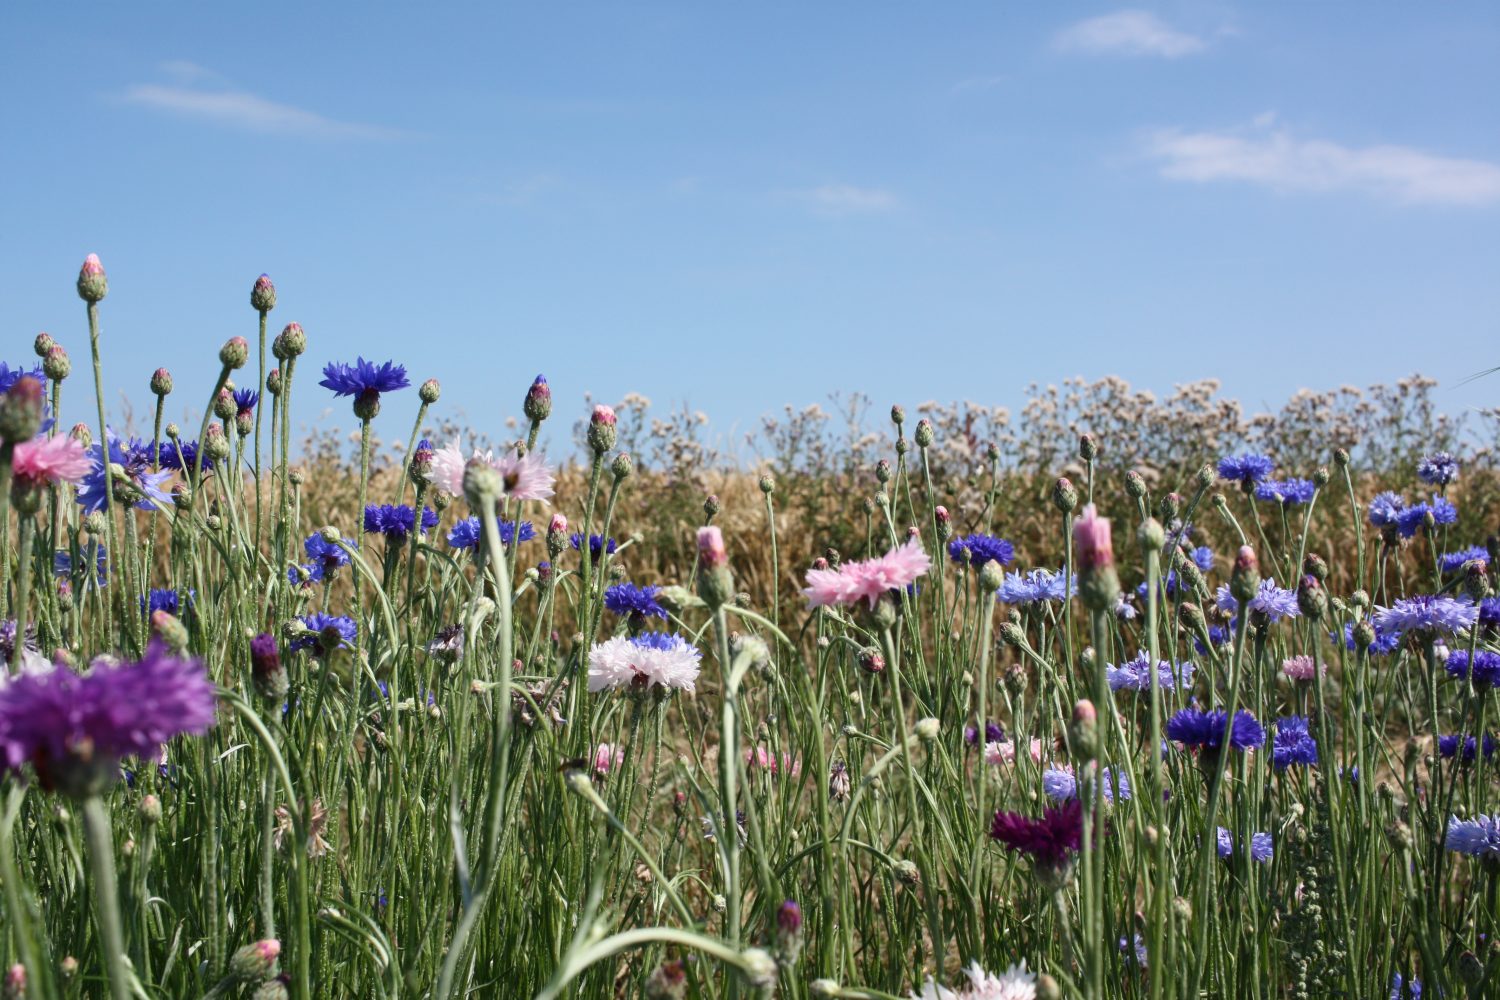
(62, 563)
(976, 550)
(465, 534)
(1218, 635)
(1034, 587)
(1426, 614)
(166, 599)
(183, 456)
(1478, 837)
(597, 544)
(1449, 746)
(317, 622)
(1386, 508)
(628, 599)
(1060, 785)
(396, 522)
(1135, 675)
(135, 460)
(1489, 612)
(1438, 469)
(1203, 558)
(1452, 562)
(1270, 600)
(364, 379)
(245, 400)
(10, 376)
(1246, 469)
(1293, 744)
(1262, 846)
(1486, 671)
(1167, 588)
(1403, 990)
(1207, 730)
(1414, 518)
(1385, 643)
(1287, 492)
(327, 556)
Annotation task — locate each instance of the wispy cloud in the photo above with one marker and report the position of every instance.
(199, 93)
(1272, 157)
(1129, 33)
(846, 199)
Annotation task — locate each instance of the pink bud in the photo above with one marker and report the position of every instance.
(91, 265)
(1084, 711)
(604, 415)
(943, 517)
(559, 524)
(1092, 539)
(1245, 559)
(711, 547)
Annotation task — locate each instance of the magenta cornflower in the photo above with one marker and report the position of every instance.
(1050, 842)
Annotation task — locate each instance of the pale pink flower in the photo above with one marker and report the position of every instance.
(603, 415)
(997, 752)
(711, 550)
(526, 477)
(869, 579)
(1302, 668)
(49, 461)
(559, 525)
(765, 760)
(607, 758)
(1015, 983)
(1091, 539)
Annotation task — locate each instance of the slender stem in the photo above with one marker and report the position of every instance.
(96, 827)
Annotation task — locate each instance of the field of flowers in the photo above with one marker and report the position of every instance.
(1120, 697)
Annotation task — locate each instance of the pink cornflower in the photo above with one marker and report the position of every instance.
(765, 760)
(49, 461)
(1302, 668)
(997, 752)
(527, 477)
(869, 579)
(607, 758)
(711, 549)
(1092, 540)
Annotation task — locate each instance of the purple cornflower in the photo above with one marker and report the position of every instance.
(140, 487)
(75, 729)
(1061, 786)
(1386, 508)
(1288, 492)
(1246, 469)
(1486, 669)
(976, 550)
(183, 456)
(626, 599)
(597, 544)
(10, 376)
(466, 533)
(1034, 587)
(1270, 600)
(1464, 747)
(1426, 614)
(1402, 989)
(396, 522)
(1207, 730)
(1489, 612)
(1135, 675)
(62, 562)
(993, 733)
(317, 623)
(1293, 744)
(1452, 562)
(364, 379)
(325, 556)
(1262, 846)
(1438, 469)
(1478, 837)
(1050, 841)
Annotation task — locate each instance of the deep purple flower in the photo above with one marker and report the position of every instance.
(396, 522)
(1245, 469)
(1288, 493)
(245, 400)
(1426, 614)
(1448, 746)
(364, 377)
(993, 733)
(166, 600)
(1050, 841)
(976, 550)
(74, 729)
(1207, 730)
(183, 456)
(326, 556)
(640, 602)
(1293, 744)
(597, 544)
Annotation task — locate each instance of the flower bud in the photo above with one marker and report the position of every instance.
(667, 981)
(1135, 485)
(1151, 535)
(255, 962)
(715, 585)
(1320, 477)
(429, 391)
(1476, 579)
(170, 630)
(263, 294)
(1363, 634)
(1341, 457)
(557, 535)
(1012, 634)
(898, 414)
(267, 673)
(927, 729)
(883, 471)
(21, 410)
(923, 434)
(767, 484)
(57, 365)
(1064, 496)
(224, 405)
(481, 480)
(789, 932)
(234, 353)
(870, 660)
(991, 576)
(274, 382)
(1088, 448)
(622, 466)
(149, 810)
(215, 444)
(1098, 583)
(1205, 477)
(1083, 731)
(92, 284)
(290, 342)
(601, 432)
(42, 344)
(1314, 566)
(1312, 599)
(538, 403)
(1244, 578)
(367, 404)
(711, 506)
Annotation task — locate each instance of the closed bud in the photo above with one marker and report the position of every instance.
(429, 391)
(1088, 448)
(538, 402)
(883, 471)
(923, 433)
(1312, 599)
(170, 630)
(1364, 634)
(1012, 634)
(215, 444)
(92, 284)
(57, 365)
(1064, 496)
(1314, 566)
(274, 382)
(715, 584)
(871, 661)
(1169, 506)
(1135, 485)
(1047, 988)
(1320, 477)
(907, 872)
(21, 410)
(1476, 579)
(234, 353)
(602, 432)
(1151, 535)
(767, 484)
(898, 414)
(622, 466)
(149, 810)
(711, 506)
(42, 344)
(667, 981)
(290, 342)
(255, 962)
(1083, 731)
(1244, 578)
(1341, 457)
(1359, 600)
(224, 405)
(263, 294)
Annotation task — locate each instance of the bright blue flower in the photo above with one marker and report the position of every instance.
(10, 376)
(1438, 469)
(1246, 468)
(1203, 558)
(317, 622)
(1135, 675)
(1262, 846)
(1478, 837)
(1385, 643)
(1489, 612)
(166, 600)
(976, 550)
(136, 461)
(628, 599)
(1033, 587)
(396, 522)
(465, 534)
(1270, 600)
(1386, 508)
(1288, 492)
(245, 400)
(1486, 666)
(327, 556)
(1426, 614)
(1448, 746)
(1454, 561)
(1293, 744)
(1218, 635)
(1414, 518)
(597, 544)
(1060, 785)
(183, 456)
(364, 377)
(1207, 730)
(62, 562)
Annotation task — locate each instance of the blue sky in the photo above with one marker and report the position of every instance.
(740, 206)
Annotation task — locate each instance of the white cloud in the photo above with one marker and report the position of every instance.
(1130, 33)
(846, 199)
(240, 108)
(1273, 157)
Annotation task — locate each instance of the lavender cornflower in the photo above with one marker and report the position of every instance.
(1288, 493)
(1207, 730)
(1464, 747)
(638, 603)
(1427, 615)
(1485, 672)
(1135, 675)
(1414, 518)
(364, 380)
(597, 544)
(1262, 846)
(396, 522)
(139, 487)
(1385, 643)
(1438, 469)
(978, 549)
(1386, 508)
(1203, 558)
(1034, 587)
(1270, 600)
(62, 563)
(1478, 837)
(1452, 562)
(74, 729)
(466, 533)
(317, 624)
(1293, 744)
(10, 376)
(1060, 785)
(1247, 469)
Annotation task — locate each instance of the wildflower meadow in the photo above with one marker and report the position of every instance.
(1125, 697)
